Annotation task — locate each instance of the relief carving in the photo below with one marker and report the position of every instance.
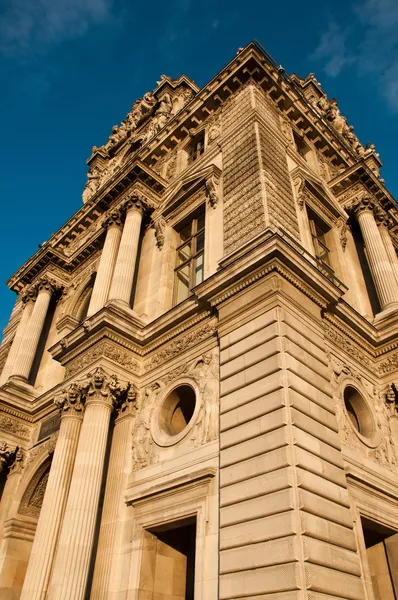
(107, 349)
(15, 427)
(32, 499)
(349, 347)
(385, 453)
(205, 371)
(142, 438)
(177, 346)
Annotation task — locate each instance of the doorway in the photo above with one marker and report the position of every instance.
(382, 553)
(168, 562)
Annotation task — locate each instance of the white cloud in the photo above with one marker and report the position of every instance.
(371, 44)
(332, 49)
(31, 25)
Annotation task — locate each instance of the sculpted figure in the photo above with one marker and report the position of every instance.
(92, 184)
(164, 111)
(142, 439)
(386, 449)
(205, 371)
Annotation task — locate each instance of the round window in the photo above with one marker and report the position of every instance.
(358, 412)
(177, 410)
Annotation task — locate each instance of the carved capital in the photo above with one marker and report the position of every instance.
(70, 401)
(98, 387)
(365, 204)
(18, 463)
(128, 401)
(28, 294)
(134, 202)
(383, 219)
(113, 219)
(49, 285)
(7, 454)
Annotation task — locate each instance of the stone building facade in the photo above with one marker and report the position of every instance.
(198, 397)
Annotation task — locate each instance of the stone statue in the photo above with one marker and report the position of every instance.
(386, 450)
(92, 184)
(142, 439)
(205, 372)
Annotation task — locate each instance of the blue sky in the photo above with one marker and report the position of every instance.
(70, 69)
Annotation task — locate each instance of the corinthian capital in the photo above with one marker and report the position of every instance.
(71, 400)
(28, 294)
(7, 454)
(112, 219)
(98, 386)
(366, 203)
(135, 202)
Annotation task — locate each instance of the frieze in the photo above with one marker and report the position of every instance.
(348, 346)
(388, 365)
(107, 350)
(180, 345)
(15, 427)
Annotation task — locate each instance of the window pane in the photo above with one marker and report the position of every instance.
(200, 242)
(182, 284)
(198, 269)
(201, 222)
(183, 254)
(185, 233)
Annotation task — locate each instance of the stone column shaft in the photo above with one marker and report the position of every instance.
(55, 497)
(26, 313)
(112, 514)
(106, 265)
(389, 246)
(123, 275)
(28, 346)
(379, 262)
(73, 555)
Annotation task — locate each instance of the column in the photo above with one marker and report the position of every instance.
(383, 224)
(27, 307)
(41, 559)
(72, 560)
(123, 276)
(110, 566)
(113, 224)
(30, 340)
(380, 266)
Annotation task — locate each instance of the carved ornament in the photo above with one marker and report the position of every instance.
(15, 427)
(107, 349)
(159, 226)
(179, 345)
(212, 190)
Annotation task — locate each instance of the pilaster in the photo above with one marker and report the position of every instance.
(285, 521)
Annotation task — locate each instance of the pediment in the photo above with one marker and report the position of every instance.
(188, 186)
(311, 188)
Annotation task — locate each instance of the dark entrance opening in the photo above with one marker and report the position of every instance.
(168, 561)
(382, 553)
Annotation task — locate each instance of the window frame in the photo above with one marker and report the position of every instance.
(196, 147)
(194, 253)
(321, 249)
